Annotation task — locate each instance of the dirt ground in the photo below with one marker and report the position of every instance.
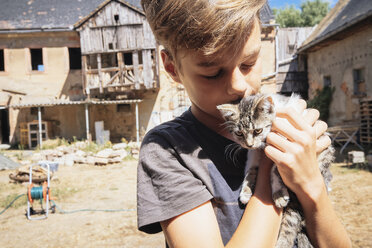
(79, 187)
(114, 187)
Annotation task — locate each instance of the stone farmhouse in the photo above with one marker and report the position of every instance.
(83, 69)
(339, 54)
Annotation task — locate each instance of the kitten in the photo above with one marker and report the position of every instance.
(250, 121)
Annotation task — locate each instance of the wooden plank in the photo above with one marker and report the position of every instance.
(136, 70)
(83, 74)
(112, 79)
(147, 68)
(121, 67)
(100, 73)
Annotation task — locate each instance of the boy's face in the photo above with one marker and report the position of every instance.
(213, 82)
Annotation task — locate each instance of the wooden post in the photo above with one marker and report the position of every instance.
(136, 70)
(121, 67)
(147, 67)
(84, 68)
(137, 123)
(87, 122)
(99, 65)
(40, 127)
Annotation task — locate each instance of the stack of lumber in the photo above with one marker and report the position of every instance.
(366, 121)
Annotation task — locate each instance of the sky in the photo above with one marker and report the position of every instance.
(297, 3)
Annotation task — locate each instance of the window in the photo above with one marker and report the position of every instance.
(92, 61)
(37, 59)
(327, 81)
(359, 82)
(75, 58)
(35, 110)
(128, 59)
(2, 60)
(123, 108)
(109, 60)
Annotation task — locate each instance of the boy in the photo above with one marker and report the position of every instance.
(188, 184)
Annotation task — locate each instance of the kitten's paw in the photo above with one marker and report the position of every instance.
(281, 198)
(244, 198)
(245, 195)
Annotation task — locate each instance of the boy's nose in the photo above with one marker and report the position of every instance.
(237, 85)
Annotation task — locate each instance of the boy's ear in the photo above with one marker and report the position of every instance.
(229, 111)
(169, 65)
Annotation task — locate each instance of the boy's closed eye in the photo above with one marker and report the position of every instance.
(215, 75)
(247, 67)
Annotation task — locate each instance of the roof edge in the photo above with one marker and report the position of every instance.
(35, 30)
(334, 32)
(101, 6)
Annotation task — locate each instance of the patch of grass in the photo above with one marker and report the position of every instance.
(94, 147)
(20, 202)
(61, 193)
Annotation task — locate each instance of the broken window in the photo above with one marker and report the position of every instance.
(2, 60)
(327, 81)
(359, 82)
(75, 58)
(37, 59)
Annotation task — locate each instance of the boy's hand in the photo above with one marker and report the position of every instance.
(293, 146)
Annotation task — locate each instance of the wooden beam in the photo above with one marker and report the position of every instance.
(112, 79)
(121, 67)
(84, 75)
(136, 70)
(99, 65)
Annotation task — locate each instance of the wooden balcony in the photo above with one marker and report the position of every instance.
(120, 72)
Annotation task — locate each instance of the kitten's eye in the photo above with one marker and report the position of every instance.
(238, 133)
(258, 131)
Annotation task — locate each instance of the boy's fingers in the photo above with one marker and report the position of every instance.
(322, 143)
(311, 116)
(295, 118)
(280, 142)
(320, 128)
(285, 129)
(302, 105)
(275, 155)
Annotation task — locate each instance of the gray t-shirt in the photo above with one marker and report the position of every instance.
(183, 164)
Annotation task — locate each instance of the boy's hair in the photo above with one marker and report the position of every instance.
(208, 26)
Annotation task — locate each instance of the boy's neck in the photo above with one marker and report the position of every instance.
(212, 122)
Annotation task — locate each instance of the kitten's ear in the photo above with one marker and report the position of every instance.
(229, 111)
(266, 104)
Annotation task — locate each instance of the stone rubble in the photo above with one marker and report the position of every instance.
(74, 154)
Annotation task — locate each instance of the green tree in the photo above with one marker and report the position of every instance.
(288, 17)
(310, 14)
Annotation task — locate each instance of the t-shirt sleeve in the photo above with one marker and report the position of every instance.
(165, 186)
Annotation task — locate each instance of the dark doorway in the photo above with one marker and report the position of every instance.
(4, 126)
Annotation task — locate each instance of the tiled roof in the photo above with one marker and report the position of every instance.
(49, 14)
(345, 14)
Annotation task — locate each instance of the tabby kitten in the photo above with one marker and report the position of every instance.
(250, 121)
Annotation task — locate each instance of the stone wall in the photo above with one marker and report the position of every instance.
(337, 61)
